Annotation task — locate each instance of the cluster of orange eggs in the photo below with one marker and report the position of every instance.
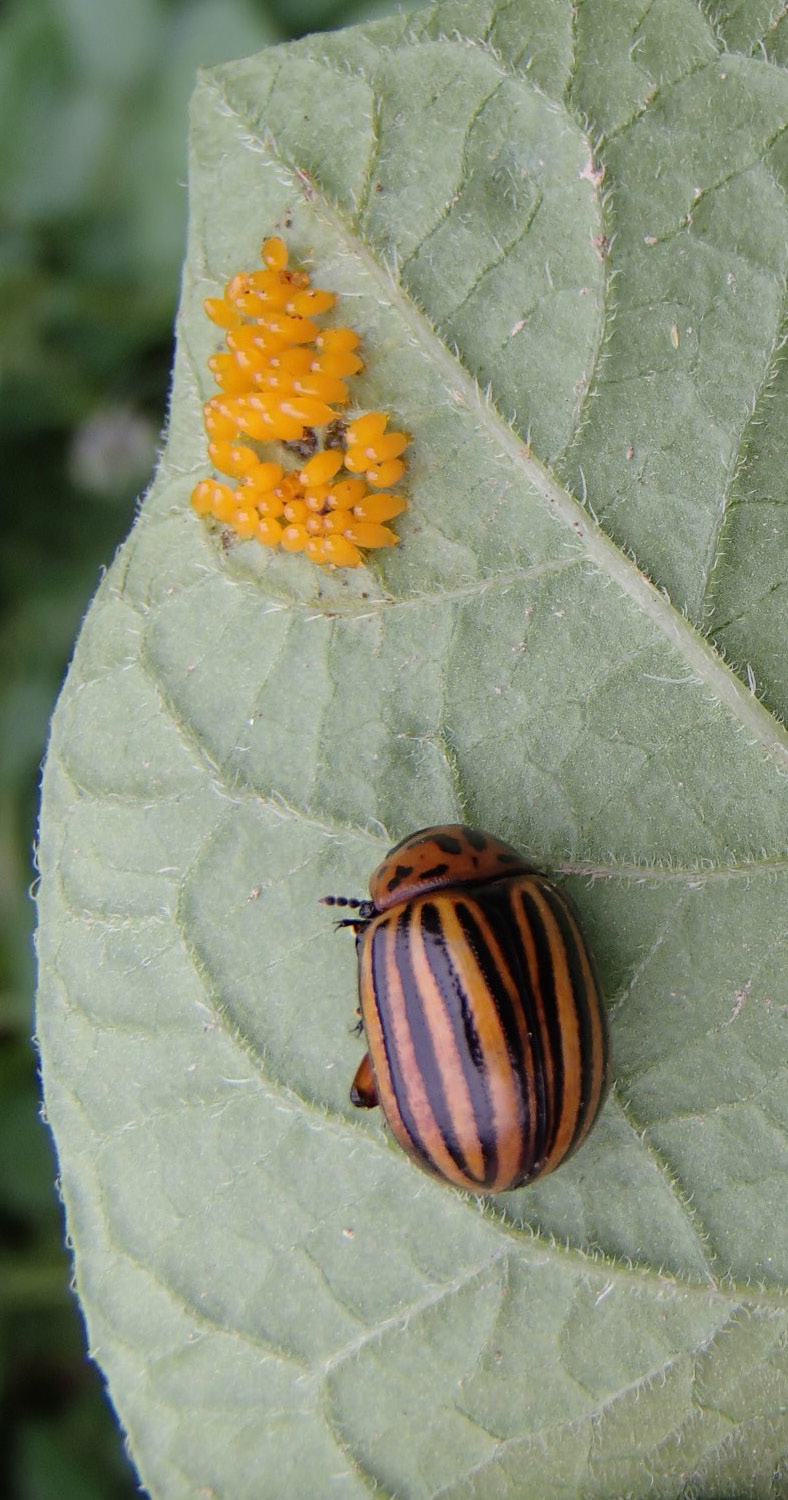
(282, 380)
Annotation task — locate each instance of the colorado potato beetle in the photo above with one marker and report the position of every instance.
(486, 1036)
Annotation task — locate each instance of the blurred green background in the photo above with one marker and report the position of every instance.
(93, 98)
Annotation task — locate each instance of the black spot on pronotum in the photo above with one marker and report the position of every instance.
(447, 843)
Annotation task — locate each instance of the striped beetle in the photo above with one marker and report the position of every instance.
(486, 1037)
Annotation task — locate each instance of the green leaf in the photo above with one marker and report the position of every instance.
(282, 1303)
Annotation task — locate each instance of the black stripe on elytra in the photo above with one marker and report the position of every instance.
(588, 1059)
(544, 1034)
(398, 932)
(536, 1138)
(551, 1042)
(382, 940)
(494, 906)
(459, 1013)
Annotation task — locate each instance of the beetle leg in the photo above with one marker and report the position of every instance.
(363, 1090)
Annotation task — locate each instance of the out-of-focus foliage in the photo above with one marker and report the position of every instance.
(93, 99)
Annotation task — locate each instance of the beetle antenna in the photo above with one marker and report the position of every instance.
(366, 909)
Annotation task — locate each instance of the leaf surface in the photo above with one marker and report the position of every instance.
(590, 364)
